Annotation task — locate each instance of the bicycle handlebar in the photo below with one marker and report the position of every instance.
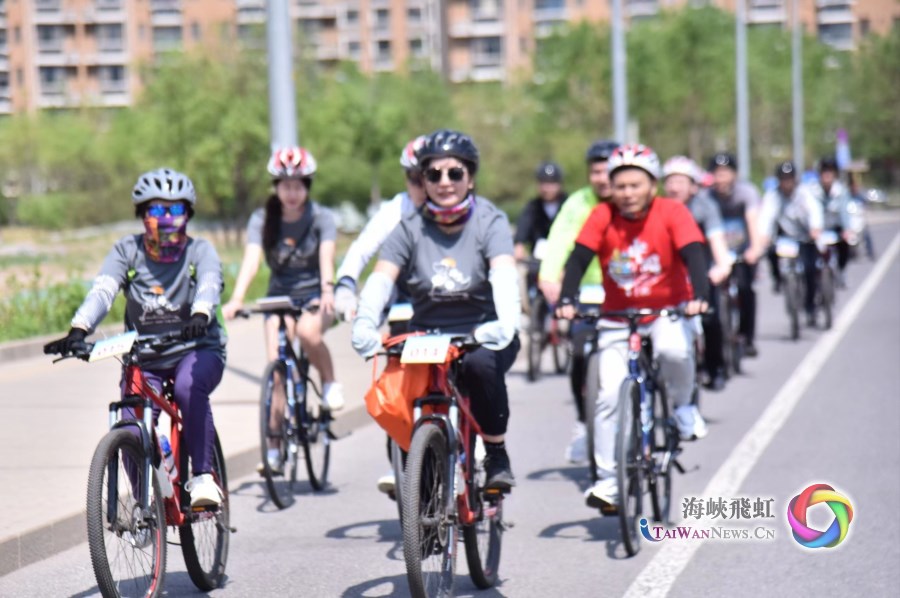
(153, 341)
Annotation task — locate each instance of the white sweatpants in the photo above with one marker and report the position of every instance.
(673, 347)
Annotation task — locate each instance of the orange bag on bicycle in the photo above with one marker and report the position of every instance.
(390, 399)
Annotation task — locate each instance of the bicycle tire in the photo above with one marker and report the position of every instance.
(792, 302)
(144, 532)
(535, 340)
(280, 486)
(428, 534)
(723, 313)
(315, 435)
(562, 353)
(665, 440)
(628, 467)
(591, 390)
(484, 538)
(205, 537)
(397, 465)
(826, 291)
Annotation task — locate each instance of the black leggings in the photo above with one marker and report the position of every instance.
(483, 376)
(713, 335)
(745, 274)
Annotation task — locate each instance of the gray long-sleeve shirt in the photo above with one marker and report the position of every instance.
(160, 298)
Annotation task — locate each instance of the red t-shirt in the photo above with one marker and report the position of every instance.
(639, 258)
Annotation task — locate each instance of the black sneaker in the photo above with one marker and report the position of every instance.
(750, 350)
(499, 473)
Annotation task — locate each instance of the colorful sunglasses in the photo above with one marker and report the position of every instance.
(158, 210)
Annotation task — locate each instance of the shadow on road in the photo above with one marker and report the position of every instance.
(385, 530)
(577, 474)
(395, 586)
(176, 583)
(596, 529)
(257, 489)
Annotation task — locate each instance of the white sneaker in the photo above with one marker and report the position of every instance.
(204, 491)
(603, 495)
(690, 423)
(333, 396)
(273, 457)
(388, 484)
(576, 452)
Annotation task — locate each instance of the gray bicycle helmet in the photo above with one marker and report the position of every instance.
(164, 183)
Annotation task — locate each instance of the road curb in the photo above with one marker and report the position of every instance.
(34, 346)
(47, 540)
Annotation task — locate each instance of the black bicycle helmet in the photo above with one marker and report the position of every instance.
(828, 163)
(786, 170)
(445, 143)
(600, 150)
(722, 159)
(549, 172)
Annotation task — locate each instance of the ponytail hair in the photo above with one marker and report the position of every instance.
(272, 223)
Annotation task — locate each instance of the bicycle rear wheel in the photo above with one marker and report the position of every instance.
(205, 536)
(483, 538)
(429, 535)
(792, 302)
(628, 466)
(826, 291)
(280, 482)
(591, 390)
(316, 436)
(127, 539)
(398, 459)
(665, 447)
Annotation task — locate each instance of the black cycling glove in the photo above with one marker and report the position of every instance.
(195, 327)
(72, 343)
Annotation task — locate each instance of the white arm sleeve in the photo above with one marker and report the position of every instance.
(499, 333)
(374, 297)
(370, 239)
(768, 214)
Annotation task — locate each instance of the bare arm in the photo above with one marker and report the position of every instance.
(326, 275)
(721, 262)
(752, 217)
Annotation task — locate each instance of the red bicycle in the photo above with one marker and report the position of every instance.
(443, 490)
(132, 496)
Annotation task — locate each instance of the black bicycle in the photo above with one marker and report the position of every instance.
(545, 331)
(647, 440)
(791, 268)
(300, 421)
(729, 313)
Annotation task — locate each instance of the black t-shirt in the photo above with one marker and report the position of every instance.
(534, 221)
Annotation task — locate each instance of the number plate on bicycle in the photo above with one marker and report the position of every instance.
(400, 312)
(428, 348)
(828, 237)
(785, 247)
(540, 249)
(592, 294)
(113, 346)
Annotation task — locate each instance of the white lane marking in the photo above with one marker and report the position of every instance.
(658, 577)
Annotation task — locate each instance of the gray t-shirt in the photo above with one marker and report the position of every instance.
(743, 197)
(447, 274)
(160, 298)
(706, 213)
(294, 261)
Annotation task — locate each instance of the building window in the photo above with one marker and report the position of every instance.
(109, 37)
(166, 38)
(549, 4)
(383, 53)
(838, 35)
(414, 15)
(487, 51)
(485, 10)
(416, 48)
(353, 49)
(50, 38)
(382, 19)
(53, 80)
(352, 16)
(112, 79)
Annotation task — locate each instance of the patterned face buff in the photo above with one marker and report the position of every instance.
(165, 237)
(457, 214)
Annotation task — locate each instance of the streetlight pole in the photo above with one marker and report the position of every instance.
(797, 85)
(743, 111)
(619, 65)
(282, 107)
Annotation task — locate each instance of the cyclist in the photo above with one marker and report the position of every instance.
(296, 236)
(681, 182)
(792, 211)
(533, 225)
(560, 242)
(739, 202)
(835, 199)
(171, 283)
(858, 206)
(456, 255)
(377, 230)
(648, 247)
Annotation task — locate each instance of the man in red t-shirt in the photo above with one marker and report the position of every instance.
(652, 256)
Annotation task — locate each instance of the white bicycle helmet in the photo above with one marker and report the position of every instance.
(682, 165)
(291, 163)
(164, 183)
(634, 156)
(408, 159)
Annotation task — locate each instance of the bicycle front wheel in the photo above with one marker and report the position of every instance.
(429, 535)
(483, 538)
(281, 474)
(628, 466)
(205, 535)
(826, 290)
(665, 450)
(535, 340)
(316, 438)
(792, 297)
(127, 539)
(591, 391)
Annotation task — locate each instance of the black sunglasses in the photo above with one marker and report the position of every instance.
(455, 174)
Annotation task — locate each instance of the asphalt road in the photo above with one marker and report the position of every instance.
(840, 427)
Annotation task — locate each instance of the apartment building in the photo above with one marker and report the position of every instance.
(66, 53)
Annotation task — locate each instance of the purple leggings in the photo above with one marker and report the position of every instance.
(196, 376)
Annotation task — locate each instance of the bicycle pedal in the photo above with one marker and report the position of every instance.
(507, 525)
(678, 466)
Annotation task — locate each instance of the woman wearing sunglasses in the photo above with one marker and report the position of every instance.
(296, 236)
(171, 283)
(455, 255)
